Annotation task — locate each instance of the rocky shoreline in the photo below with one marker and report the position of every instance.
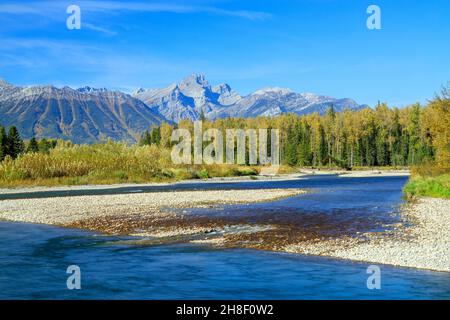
(423, 241)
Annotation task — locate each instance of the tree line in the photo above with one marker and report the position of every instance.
(12, 145)
(381, 136)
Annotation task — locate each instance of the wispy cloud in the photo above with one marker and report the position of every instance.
(20, 8)
(106, 6)
(40, 54)
(100, 29)
(48, 8)
(65, 62)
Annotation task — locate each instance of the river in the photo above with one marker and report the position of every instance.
(34, 258)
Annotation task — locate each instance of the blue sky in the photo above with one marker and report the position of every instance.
(320, 46)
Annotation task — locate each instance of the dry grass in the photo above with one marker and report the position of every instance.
(108, 163)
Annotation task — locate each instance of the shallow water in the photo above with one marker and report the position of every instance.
(333, 205)
(34, 258)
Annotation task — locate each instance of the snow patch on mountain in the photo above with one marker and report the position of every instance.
(194, 96)
(83, 115)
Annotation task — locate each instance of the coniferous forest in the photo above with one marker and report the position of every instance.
(381, 136)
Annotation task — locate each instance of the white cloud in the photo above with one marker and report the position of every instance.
(49, 8)
(103, 30)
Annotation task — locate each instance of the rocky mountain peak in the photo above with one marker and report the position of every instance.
(87, 89)
(138, 91)
(221, 88)
(194, 80)
(3, 83)
(84, 115)
(273, 90)
(194, 95)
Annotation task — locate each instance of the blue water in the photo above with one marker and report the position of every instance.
(34, 258)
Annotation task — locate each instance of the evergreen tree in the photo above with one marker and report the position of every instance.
(145, 139)
(44, 145)
(15, 145)
(290, 150)
(33, 145)
(382, 151)
(323, 150)
(330, 122)
(344, 154)
(413, 128)
(155, 136)
(404, 154)
(304, 148)
(371, 144)
(202, 115)
(396, 152)
(330, 112)
(3, 143)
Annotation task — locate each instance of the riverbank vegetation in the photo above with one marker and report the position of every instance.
(415, 136)
(434, 186)
(110, 162)
(432, 178)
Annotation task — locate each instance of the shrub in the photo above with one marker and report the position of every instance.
(100, 163)
(110, 162)
(438, 186)
(202, 174)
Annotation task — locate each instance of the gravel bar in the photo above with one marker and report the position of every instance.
(64, 211)
(423, 240)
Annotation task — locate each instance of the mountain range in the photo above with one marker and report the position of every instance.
(194, 96)
(87, 115)
(83, 115)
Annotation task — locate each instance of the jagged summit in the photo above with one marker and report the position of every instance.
(87, 89)
(194, 79)
(138, 91)
(189, 98)
(194, 95)
(221, 88)
(4, 84)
